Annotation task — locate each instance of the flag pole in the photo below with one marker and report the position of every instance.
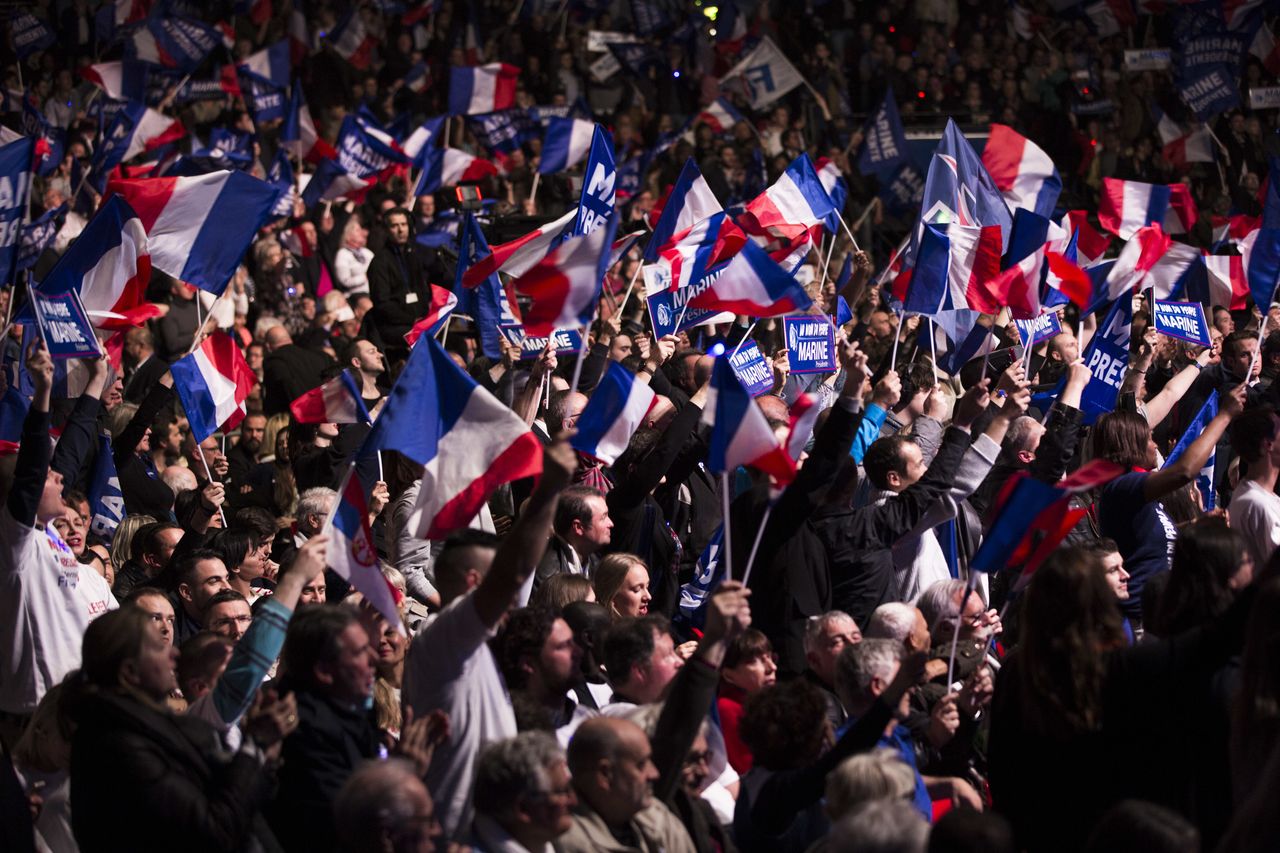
(681, 318)
(755, 546)
(630, 286)
(852, 239)
(728, 538)
(933, 352)
(897, 334)
(209, 476)
(745, 337)
(533, 191)
(955, 637)
(986, 355)
(582, 351)
(826, 263)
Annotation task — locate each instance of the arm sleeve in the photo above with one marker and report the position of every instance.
(593, 368)
(630, 492)
(76, 442)
(897, 517)
(974, 467)
(927, 433)
(687, 704)
(251, 660)
(1058, 445)
(30, 469)
(122, 446)
(868, 431)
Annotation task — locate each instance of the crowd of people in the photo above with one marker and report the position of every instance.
(642, 655)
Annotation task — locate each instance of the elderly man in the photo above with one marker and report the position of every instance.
(385, 806)
(522, 794)
(825, 637)
(613, 775)
(288, 371)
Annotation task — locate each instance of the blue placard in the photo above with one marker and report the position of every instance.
(1032, 332)
(752, 369)
(595, 206)
(1211, 93)
(666, 306)
(1107, 359)
(811, 344)
(1182, 320)
(567, 341)
(64, 325)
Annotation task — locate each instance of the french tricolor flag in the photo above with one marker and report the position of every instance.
(956, 266)
(740, 435)
(352, 40)
(518, 256)
(1228, 282)
(352, 554)
(151, 130)
(1023, 173)
(1261, 251)
(720, 115)
(1126, 206)
(1091, 244)
(213, 382)
(198, 228)
(298, 133)
(428, 133)
(417, 78)
(804, 416)
(566, 144)
(110, 266)
(617, 408)
(482, 88)
(703, 246)
(794, 204)
(1132, 270)
(837, 189)
(446, 167)
(125, 80)
(271, 65)
(468, 441)
(690, 201)
(1264, 47)
(752, 283)
(337, 401)
(443, 302)
(565, 285)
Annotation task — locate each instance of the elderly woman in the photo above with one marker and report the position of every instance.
(351, 263)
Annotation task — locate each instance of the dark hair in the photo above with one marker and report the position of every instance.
(919, 376)
(199, 656)
(257, 521)
(1069, 622)
(1249, 429)
(561, 590)
(782, 725)
(1206, 555)
(233, 546)
(574, 506)
(147, 539)
(1234, 341)
(746, 647)
(394, 211)
(1121, 437)
(185, 505)
(313, 638)
(638, 449)
(183, 567)
(109, 641)
(521, 639)
(221, 598)
(454, 559)
(1100, 547)
(963, 830)
(555, 411)
(1139, 825)
(629, 643)
(884, 456)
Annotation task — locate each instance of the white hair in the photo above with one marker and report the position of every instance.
(892, 621)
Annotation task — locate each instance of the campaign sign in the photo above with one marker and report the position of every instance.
(1182, 320)
(1032, 332)
(1212, 93)
(567, 341)
(1264, 97)
(811, 344)
(666, 306)
(1107, 358)
(1150, 59)
(64, 325)
(595, 205)
(752, 369)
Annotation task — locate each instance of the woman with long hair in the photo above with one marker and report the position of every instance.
(1129, 508)
(1211, 562)
(622, 585)
(1081, 718)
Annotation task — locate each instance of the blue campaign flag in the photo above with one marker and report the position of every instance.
(13, 412)
(752, 369)
(29, 34)
(1271, 204)
(106, 500)
(958, 188)
(15, 185)
(266, 102)
(1029, 498)
(811, 344)
(596, 204)
(364, 148)
(927, 286)
(486, 303)
(1264, 267)
(51, 140)
(1032, 332)
(884, 141)
(1213, 92)
(708, 574)
(37, 236)
(904, 191)
(64, 324)
(1182, 320)
(280, 176)
(1107, 357)
(1204, 478)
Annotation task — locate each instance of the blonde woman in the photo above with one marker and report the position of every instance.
(351, 263)
(622, 585)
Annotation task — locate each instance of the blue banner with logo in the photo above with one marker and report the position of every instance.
(64, 325)
(1032, 332)
(884, 142)
(1211, 93)
(752, 368)
(565, 341)
(1107, 357)
(811, 344)
(15, 184)
(106, 500)
(1182, 320)
(595, 206)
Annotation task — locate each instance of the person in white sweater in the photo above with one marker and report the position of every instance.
(1255, 507)
(351, 263)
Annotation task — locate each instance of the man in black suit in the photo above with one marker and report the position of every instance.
(289, 370)
(399, 284)
(143, 367)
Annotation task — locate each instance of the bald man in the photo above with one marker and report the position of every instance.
(613, 776)
(289, 370)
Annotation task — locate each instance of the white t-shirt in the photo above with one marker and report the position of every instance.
(450, 667)
(1255, 512)
(47, 600)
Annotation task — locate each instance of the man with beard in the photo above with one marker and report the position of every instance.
(367, 364)
(245, 455)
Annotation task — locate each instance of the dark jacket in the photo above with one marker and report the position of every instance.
(791, 577)
(859, 542)
(287, 373)
(142, 493)
(326, 748)
(399, 285)
(143, 779)
(143, 377)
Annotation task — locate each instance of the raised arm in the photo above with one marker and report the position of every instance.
(1159, 406)
(77, 439)
(522, 550)
(1173, 477)
(32, 465)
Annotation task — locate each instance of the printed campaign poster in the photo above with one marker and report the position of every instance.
(811, 344)
(752, 368)
(567, 341)
(1182, 320)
